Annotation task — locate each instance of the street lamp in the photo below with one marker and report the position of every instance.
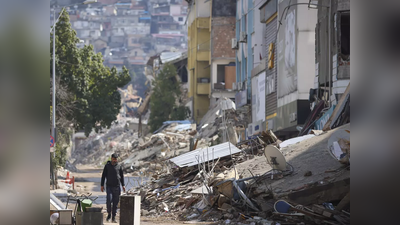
(54, 73)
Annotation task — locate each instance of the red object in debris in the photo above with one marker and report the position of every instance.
(68, 180)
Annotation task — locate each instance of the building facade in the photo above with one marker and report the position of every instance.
(332, 56)
(198, 23)
(223, 64)
(295, 65)
(268, 17)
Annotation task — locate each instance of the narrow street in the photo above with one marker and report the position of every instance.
(87, 180)
(229, 111)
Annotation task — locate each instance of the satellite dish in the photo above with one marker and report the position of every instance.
(275, 158)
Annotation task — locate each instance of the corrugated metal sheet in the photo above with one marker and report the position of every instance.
(270, 36)
(191, 158)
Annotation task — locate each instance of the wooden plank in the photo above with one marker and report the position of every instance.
(343, 203)
(336, 110)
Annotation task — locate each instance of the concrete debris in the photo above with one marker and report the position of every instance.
(184, 181)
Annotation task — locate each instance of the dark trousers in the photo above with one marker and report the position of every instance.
(113, 194)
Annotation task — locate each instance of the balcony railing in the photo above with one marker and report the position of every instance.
(204, 47)
(203, 88)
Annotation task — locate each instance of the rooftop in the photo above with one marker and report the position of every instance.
(167, 35)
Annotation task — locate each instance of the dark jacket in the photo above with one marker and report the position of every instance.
(114, 175)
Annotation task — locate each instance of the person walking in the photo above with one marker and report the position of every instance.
(115, 179)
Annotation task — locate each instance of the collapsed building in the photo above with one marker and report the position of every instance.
(208, 173)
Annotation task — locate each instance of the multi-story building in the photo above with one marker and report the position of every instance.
(258, 70)
(332, 55)
(268, 18)
(295, 65)
(164, 42)
(223, 65)
(88, 31)
(250, 63)
(198, 23)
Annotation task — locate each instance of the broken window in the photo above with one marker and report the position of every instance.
(221, 73)
(345, 34)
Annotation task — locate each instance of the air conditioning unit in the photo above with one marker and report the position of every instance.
(239, 86)
(235, 44)
(234, 86)
(243, 37)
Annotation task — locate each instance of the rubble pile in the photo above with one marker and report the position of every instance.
(218, 190)
(210, 173)
(97, 148)
(221, 117)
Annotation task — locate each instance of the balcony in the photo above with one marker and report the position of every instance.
(203, 23)
(203, 88)
(203, 51)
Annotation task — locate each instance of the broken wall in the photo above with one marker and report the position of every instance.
(222, 31)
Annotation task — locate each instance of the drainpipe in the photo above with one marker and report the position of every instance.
(211, 57)
(330, 53)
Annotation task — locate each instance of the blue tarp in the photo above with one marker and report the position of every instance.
(178, 121)
(167, 123)
(145, 18)
(182, 127)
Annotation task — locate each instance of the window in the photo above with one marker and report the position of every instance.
(239, 69)
(254, 18)
(180, 19)
(268, 11)
(245, 24)
(345, 34)
(252, 54)
(220, 74)
(203, 80)
(245, 68)
(135, 53)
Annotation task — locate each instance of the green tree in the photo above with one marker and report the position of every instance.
(93, 86)
(163, 99)
(180, 112)
(132, 72)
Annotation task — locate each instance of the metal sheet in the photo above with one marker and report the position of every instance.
(194, 157)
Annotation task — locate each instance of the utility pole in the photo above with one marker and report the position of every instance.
(54, 94)
(54, 130)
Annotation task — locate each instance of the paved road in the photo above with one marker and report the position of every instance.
(88, 181)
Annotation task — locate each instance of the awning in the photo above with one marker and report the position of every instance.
(205, 154)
